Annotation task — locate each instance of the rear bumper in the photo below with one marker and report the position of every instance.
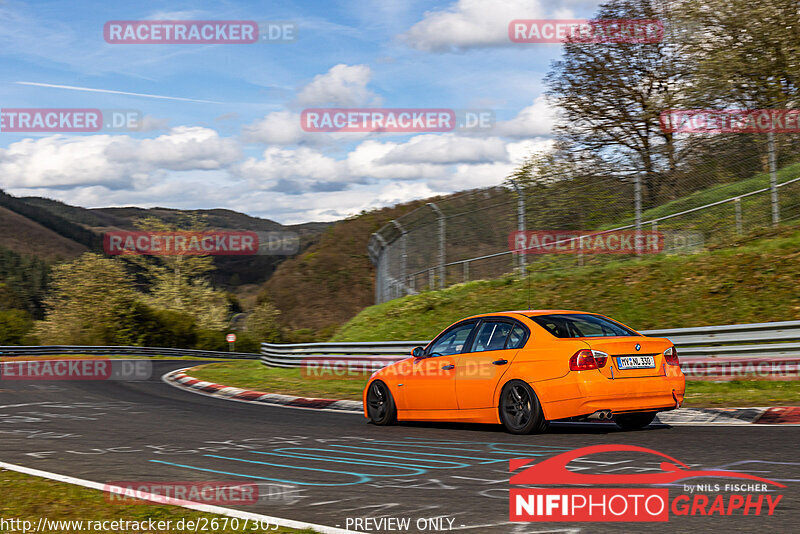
(586, 392)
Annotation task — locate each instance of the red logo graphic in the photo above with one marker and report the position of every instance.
(620, 504)
(554, 470)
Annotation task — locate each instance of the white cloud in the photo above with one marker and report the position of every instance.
(114, 161)
(343, 85)
(367, 161)
(277, 128)
(447, 149)
(293, 170)
(532, 121)
(470, 24)
(284, 128)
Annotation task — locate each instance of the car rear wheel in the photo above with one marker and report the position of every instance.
(380, 404)
(520, 410)
(634, 421)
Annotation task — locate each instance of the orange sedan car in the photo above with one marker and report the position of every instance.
(524, 369)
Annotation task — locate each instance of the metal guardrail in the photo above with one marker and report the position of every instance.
(295, 354)
(706, 347)
(45, 350)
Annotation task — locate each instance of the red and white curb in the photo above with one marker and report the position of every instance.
(789, 415)
(181, 380)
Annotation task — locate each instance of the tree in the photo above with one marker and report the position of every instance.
(14, 326)
(262, 323)
(92, 302)
(611, 96)
(180, 282)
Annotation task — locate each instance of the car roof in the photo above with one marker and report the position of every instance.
(527, 312)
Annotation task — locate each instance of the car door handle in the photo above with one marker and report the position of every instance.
(448, 367)
(499, 362)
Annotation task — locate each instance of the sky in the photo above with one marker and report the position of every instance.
(220, 123)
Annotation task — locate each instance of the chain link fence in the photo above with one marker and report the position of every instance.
(476, 234)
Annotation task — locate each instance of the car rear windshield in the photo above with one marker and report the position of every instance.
(581, 325)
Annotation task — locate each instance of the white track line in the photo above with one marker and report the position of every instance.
(207, 508)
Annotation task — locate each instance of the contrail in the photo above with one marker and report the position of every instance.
(91, 90)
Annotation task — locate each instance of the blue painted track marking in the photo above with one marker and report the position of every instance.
(357, 461)
(255, 477)
(415, 463)
(482, 460)
(455, 465)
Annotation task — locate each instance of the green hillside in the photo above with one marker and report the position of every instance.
(751, 280)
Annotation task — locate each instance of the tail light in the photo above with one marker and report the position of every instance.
(671, 356)
(586, 359)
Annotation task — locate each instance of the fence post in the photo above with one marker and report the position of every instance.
(773, 179)
(440, 215)
(637, 207)
(737, 204)
(380, 269)
(466, 271)
(520, 224)
(403, 254)
(430, 279)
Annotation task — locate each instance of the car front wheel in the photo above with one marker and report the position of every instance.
(520, 410)
(380, 404)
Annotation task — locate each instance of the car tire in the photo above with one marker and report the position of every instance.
(381, 408)
(520, 409)
(634, 421)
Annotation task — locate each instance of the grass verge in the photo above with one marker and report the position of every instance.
(700, 394)
(30, 498)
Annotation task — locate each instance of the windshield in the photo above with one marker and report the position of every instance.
(565, 325)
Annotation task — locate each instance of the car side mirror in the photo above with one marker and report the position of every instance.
(418, 352)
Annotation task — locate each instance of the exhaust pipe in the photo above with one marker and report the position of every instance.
(600, 415)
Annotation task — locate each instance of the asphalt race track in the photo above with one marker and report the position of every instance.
(325, 467)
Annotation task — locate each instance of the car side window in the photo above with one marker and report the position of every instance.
(492, 335)
(516, 338)
(452, 342)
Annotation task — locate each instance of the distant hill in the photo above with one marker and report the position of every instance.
(331, 281)
(54, 231)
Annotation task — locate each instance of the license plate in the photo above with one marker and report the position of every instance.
(636, 362)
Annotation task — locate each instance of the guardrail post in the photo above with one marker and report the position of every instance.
(442, 243)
